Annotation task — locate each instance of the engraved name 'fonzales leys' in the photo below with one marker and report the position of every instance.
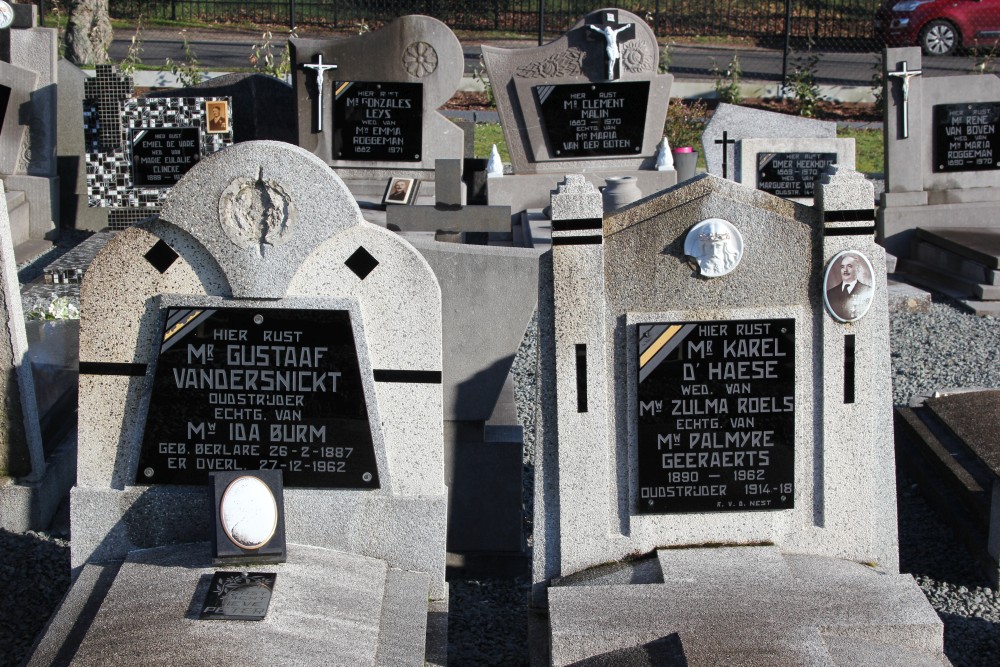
(716, 416)
(252, 389)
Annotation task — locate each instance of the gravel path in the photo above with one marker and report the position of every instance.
(488, 626)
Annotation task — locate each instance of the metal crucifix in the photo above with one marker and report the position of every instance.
(904, 75)
(725, 141)
(320, 69)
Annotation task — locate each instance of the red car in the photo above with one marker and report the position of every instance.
(939, 27)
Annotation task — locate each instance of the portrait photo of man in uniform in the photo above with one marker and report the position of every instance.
(849, 288)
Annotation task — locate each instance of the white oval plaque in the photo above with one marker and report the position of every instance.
(715, 245)
(249, 513)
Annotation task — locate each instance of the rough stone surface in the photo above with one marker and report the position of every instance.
(586, 474)
(745, 123)
(327, 607)
(755, 606)
(395, 312)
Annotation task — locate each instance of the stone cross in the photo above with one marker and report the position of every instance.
(904, 75)
(320, 69)
(725, 141)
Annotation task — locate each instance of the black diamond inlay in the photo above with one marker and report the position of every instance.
(161, 256)
(361, 262)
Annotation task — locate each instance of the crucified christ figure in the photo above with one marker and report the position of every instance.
(611, 36)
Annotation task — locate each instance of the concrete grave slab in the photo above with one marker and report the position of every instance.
(755, 606)
(326, 606)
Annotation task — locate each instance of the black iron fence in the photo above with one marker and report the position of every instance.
(762, 20)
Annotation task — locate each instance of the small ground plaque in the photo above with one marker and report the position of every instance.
(238, 596)
(965, 137)
(716, 416)
(258, 389)
(594, 119)
(791, 174)
(378, 121)
(161, 155)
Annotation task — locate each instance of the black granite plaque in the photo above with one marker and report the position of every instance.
(238, 596)
(965, 137)
(594, 119)
(252, 389)
(161, 155)
(378, 121)
(716, 416)
(791, 174)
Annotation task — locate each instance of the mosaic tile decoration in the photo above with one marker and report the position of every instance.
(111, 115)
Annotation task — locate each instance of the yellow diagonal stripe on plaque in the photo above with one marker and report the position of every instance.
(344, 86)
(177, 328)
(658, 344)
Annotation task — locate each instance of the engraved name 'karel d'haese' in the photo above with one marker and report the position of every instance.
(248, 389)
(716, 416)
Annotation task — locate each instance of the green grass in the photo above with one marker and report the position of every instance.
(488, 134)
(868, 153)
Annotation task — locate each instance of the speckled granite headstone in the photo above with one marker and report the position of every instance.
(376, 113)
(264, 236)
(657, 431)
(590, 100)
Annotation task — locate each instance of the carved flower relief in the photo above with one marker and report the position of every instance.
(420, 59)
(637, 56)
(257, 213)
(567, 63)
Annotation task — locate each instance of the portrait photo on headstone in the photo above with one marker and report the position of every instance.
(400, 191)
(217, 113)
(849, 287)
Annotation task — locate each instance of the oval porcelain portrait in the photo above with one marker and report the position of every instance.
(848, 286)
(249, 512)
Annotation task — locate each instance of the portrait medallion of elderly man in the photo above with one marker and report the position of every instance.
(715, 245)
(849, 288)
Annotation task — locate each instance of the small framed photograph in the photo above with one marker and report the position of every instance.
(400, 191)
(218, 116)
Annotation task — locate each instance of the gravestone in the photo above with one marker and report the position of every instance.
(700, 387)
(28, 81)
(590, 102)
(942, 175)
(374, 112)
(790, 167)
(730, 124)
(266, 326)
(137, 149)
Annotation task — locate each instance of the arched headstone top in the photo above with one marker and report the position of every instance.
(249, 205)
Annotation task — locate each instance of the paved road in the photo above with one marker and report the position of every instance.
(220, 50)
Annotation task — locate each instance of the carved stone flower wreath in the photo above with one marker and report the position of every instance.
(420, 59)
(257, 213)
(637, 57)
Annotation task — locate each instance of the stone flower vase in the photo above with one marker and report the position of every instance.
(620, 191)
(685, 162)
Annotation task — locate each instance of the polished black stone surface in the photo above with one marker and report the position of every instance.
(594, 119)
(162, 155)
(965, 137)
(378, 121)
